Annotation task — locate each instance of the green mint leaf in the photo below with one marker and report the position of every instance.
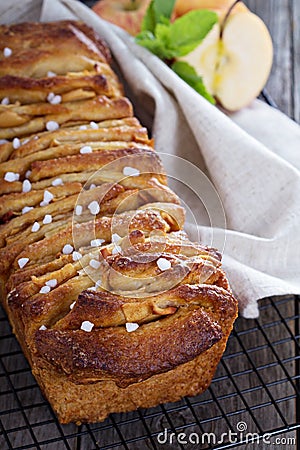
(148, 40)
(159, 44)
(171, 40)
(164, 21)
(164, 8)
(190, 76)
(187, 32)
(158, 12)
(162, 34)
(149, 19)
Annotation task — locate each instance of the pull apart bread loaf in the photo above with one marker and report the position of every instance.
(114, 307)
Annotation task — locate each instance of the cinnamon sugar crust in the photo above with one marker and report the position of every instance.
(59, 47)
(114, 307)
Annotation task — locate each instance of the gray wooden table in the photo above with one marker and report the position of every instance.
(283, 20)
(255, 383)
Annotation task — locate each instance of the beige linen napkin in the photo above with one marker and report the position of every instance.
(239, 175)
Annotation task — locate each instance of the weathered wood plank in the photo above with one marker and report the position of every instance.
(278, 18)
(296, 58)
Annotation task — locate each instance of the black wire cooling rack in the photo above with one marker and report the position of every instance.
(255, 390)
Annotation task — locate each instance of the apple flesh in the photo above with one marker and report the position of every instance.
(235, 64)
(127, 14)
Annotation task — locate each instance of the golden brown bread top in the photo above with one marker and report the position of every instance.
(83, 233)
(22, 164)
(18, 121)
(114, 354)
(105, 309)
(109, 134)
(34, 270)
(70, 87)
(15, 202)
(88, 178)
(44, 251)
(39, 309)
(135, 270)
(111, 198)
(46, 245)
(148, 161)
(199, 316)
(59, 47)
(90, 233)
(76, 135)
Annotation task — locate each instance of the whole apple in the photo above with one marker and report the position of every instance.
(127, 14)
